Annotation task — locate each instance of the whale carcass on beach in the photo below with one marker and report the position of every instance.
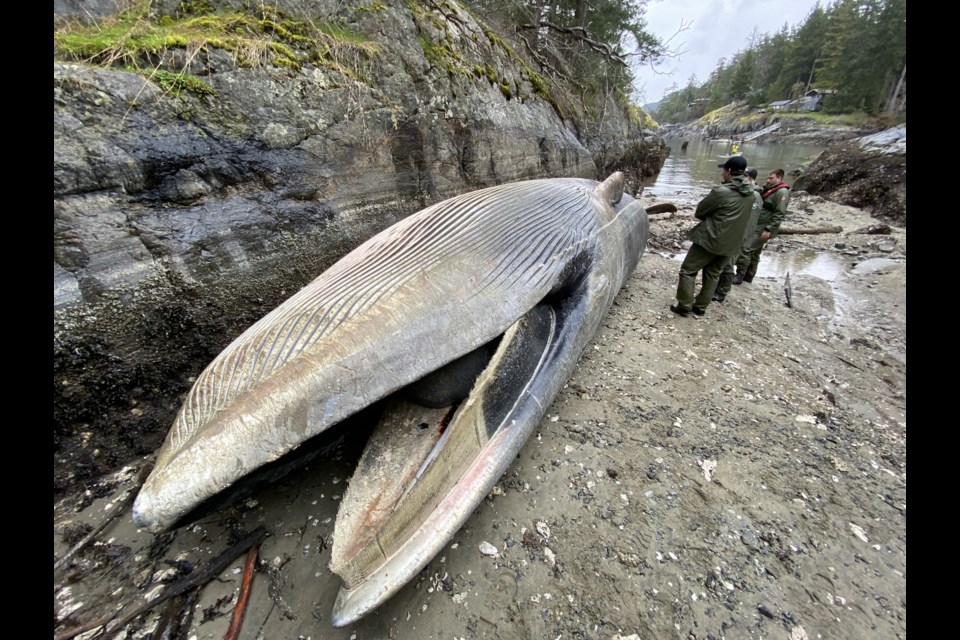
(469, 316)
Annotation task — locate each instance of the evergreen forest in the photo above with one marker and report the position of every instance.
(853, 51)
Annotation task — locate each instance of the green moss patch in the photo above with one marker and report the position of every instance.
(135, 40)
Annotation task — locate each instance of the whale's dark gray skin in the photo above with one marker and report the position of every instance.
(496, 293)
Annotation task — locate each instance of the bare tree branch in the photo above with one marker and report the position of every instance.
(545, 65)
(582, 35)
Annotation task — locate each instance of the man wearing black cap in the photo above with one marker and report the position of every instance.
(723, 214)
(726, 277)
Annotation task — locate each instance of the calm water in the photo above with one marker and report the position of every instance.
(688, 175)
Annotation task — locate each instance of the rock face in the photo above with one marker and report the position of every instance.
(181, 219)
(869, 172)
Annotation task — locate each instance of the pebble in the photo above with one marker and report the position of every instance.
(543, 529)
(859, 532)
(798, 633)
(549, 556)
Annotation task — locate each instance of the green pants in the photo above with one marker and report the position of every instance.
(699, 259)
(725, 283)
(749, 259)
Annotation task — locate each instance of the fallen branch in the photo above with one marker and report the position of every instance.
(788, 232)
(661, 216)
(234, 630)
(849, 363)
(196, 579)
(87, 539)
(169, 624)
(86, 626)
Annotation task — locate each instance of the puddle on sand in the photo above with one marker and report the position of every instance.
(838, 270)
(808, 262)
(830, 267)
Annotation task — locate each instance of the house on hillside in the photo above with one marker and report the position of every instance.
(697, 108)
(813, 100)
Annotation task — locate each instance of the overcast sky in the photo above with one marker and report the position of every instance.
(715, 29)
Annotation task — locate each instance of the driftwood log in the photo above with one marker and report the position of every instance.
(661, 207)
(788, 232)
(661, 211)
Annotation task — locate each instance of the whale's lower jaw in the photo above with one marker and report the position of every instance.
(402, 507)
(435, 533)
(534, 359)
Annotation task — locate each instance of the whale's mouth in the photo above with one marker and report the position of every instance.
(426, 467)
(378, 351)
(417, 454)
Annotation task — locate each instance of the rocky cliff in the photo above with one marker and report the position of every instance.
(194, 193)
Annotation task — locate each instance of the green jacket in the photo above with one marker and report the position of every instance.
(755, 211)
(724, 215)
(774, 209)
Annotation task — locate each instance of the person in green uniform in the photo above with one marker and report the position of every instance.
(776, 197)
(726, 277)
(723, 215)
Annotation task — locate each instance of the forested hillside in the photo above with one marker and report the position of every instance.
(854, 50)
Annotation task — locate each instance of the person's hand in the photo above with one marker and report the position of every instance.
(765, 235)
